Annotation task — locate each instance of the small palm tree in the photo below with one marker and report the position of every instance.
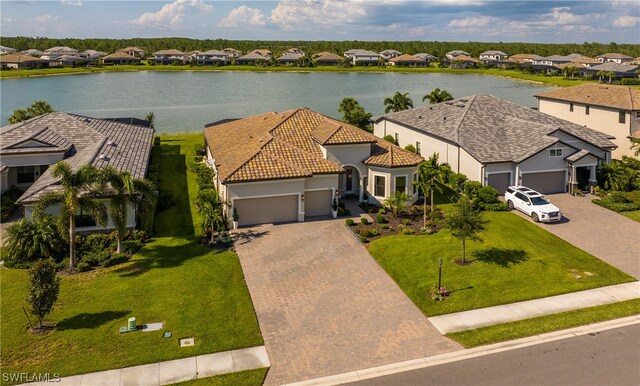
(601, 74)
(432, 176)
(210, 208)
(397, 203)
(635, 146)
(437, 96)
(78, 192)
(613, 175)
(398, 102)
(19, 115)
(123, 189)
(27, 239)
(610, 75)
(151, 117)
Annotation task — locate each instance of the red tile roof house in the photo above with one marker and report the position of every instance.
(29, 148)
(279, 167)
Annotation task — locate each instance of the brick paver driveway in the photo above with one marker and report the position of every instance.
(326, 307)
(605, 234)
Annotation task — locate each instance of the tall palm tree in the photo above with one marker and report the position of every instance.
(432, 176)
(610, 75)
(601, 74)
(123, 189)
(78, 193)
(398, 102)
(437, 96)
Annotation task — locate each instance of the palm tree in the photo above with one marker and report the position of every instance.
(398, 102)
(610, 75)
(210, 209)
(437, 96)
(19, 115)
(40, 107)
(601, 74)
(397, 203)
(432, 176)
(613, 175)
(77, 193)
(123, 190)
(151, 117)
(27, 239)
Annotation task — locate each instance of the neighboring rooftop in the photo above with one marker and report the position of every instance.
(169, 52)
(288, 145)
(616, 97)
(616, 67)
(493, 52)
(407, 58)
(492, 129)
(615, 55)
(19, 58)
(119, 55)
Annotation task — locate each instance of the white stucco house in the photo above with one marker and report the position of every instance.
(493, 55)
(29, 148)
(362, 57)
(615, 57)
(500, 143)
(612, 110)
(278, 167)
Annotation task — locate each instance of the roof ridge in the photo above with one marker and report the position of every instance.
(234, 171)
(25, 138)
(464, 115)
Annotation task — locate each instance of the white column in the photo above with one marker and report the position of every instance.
(361, 192)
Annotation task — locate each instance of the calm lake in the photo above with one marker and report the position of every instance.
(186, 101)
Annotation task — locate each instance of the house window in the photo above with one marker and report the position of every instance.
(401, 184)
(415, 183)
(555, 153)
(83, 219)
(396, 137)
(379, 188)
(25, 174)
(586, 110)
(571, 107)
(622, 116)
(637, 114)
(418, 148)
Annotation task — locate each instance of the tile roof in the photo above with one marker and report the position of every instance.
(586, 60)
(134, 48)
(120, 55)
(252, 56)
(614, 55)
(86, 140)
(577, 156)
(465, 58)
(327, 57)
(616, 67)
(407, 58)
(284, 145)
(493, 52)
(617, 97)
(169, 52)
(492, 129)
(19, 58)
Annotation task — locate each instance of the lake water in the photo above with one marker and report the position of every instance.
(186, 101)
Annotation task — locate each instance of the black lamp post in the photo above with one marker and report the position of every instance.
(439, 273)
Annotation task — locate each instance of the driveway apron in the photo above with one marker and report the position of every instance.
(325, 306)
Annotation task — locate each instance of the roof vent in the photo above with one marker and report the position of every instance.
(103, 157)
(430, 108)
(419, 116)
(111, 143)
(449, 103)
(444, 118)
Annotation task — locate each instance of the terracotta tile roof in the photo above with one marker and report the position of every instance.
(614, 55)
(570, 64)
(284, 145)
(407, 58)
(465, 58)
(327, 57)
(586, 60)
(19, 58)
(169, 52)
(135, 49)
(120, 55)
(617, 97)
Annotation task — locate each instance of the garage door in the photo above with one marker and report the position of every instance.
(500, 181)
(547, 182)
(267, 209)
(317, 203)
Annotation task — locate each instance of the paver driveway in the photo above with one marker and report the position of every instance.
(326, 307)
(605, 234)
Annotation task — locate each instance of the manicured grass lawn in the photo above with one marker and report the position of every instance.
(547, 323)
(244, 378)
(516, 261)
(196, 291)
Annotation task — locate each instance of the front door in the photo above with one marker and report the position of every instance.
(349, 183)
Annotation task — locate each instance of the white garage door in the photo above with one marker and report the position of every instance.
(500, 181)
(265, 210)
(317, 203)
(546, 182)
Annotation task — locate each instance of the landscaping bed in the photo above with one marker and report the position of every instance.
(625, 203)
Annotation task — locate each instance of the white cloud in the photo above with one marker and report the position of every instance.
(562, 16)
(471, 22)
(45, 19)
(74, 3)
(626, 21)
(243, 16)
(171, 15)
(319, 12)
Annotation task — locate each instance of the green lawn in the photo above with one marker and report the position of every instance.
(547, 323)
(196, 291)
(244, 378)
(635, 197)
(516, 261)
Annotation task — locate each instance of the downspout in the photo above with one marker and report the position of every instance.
(458, 159)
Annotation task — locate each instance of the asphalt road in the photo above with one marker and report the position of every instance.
(609, 357)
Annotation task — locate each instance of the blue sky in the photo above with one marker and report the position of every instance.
(444, 20)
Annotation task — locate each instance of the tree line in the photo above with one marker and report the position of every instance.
(435, 48)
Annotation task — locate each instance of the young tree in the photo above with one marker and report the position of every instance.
(44, 286)
(398, 102)
(354, 114)
(27, 239)
(124, 189)
(437, 96)
(465, 223)
(432, 176)
(397, 203)
(77, 193)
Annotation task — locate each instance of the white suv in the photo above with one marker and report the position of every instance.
(532, 203)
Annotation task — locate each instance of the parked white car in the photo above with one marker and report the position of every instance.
(532, 203)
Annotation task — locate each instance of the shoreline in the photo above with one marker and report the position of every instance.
(558, 81)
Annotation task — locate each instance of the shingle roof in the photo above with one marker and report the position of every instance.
(492, 129)
(284, 145)
(135, 49)
(577, 156)
(617, 97)
(493, 52)
(94, 141)
(120, 55)
(169, 52)
(19, 58)
(586, 60)
(616, 67)
(614, 55)
(252, 56)
(465, 58)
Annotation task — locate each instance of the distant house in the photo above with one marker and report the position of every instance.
(252, 58)
(29, 148)
(119, 58)
(327, 59)
(615, 58)
(428, 57)
(266, 53)
(619, 70)
(22, 62)
(463, 61)
(68, 60)
(586, 61)
(193, 54)
(7, 50)
(171, 56)
(556, 59)
(290, 58)
(525, 58)
(362, 57)
(612, 110)
(212, 57)
(455, 53)
(493, 55)
(408, 61)
(293, 50)
(55, 52)
(32, 52)
(232, 52)
(134, 51)
(389, 54)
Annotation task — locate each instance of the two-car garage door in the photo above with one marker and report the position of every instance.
(545, 182)
(264, 210)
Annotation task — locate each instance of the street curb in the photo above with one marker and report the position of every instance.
(435, 360)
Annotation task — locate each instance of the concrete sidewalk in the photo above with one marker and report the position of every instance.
(179, 370)
(530, 309)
